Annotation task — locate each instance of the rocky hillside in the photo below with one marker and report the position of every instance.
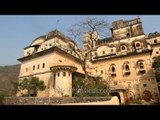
(8, 75)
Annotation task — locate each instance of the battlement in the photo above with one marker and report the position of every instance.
(121, 23)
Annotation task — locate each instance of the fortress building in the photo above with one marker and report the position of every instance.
(124, 60)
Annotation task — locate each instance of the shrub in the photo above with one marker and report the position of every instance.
(1, 98)
(32, 85)
(2, 95)
(95, 87)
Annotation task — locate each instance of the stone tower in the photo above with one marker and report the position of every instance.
(61, 81)
(124, 29)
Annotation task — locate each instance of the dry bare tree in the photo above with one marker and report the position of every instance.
(89, 25)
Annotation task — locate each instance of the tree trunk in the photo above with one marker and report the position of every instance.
(86, 75)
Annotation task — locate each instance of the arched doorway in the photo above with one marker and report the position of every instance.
(147, 96)
(116, 94)
(130, 96)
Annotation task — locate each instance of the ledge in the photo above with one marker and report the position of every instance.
(51, 100)
(119, 56)
(47, 51)
(63, 67)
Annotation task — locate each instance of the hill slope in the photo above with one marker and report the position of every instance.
(8, 75)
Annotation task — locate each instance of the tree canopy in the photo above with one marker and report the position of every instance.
(156, 66)
(32, 85)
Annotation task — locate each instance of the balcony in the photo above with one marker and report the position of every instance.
(113, 74)
(141, 71)
(127, 73)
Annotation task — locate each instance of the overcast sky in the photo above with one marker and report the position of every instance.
(17, 32)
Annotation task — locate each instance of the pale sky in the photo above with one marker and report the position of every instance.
(18, 31)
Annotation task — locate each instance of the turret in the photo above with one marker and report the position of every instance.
(62, 80)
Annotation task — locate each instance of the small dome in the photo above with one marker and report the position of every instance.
(54, 33)
(38, 40)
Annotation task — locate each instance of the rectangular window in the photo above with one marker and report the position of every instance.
(58, 74)
(38, 67)
(26, 69)
(69, 74)
(43, 66)
(144, 85)
(103, 52)
(33, 67)
(54, 81)
(64, 74)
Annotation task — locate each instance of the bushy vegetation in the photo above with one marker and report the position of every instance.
(1, 98)
(2, 95)
(32, 85)
(156, 66)
(95, 87)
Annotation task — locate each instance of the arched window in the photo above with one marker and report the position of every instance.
(128, 35)
(141, 65)
(126, 67)
(113, 69)
(123, 47)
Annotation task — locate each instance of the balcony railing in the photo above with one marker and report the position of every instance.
(142, 71)
(113, 74)
(127, 72)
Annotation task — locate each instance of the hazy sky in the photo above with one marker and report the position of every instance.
(17, 32)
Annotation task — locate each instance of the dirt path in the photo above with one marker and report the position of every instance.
(113, 101)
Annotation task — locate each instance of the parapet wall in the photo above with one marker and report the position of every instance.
(58, 101)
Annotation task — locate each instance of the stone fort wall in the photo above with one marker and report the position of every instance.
(58, 100)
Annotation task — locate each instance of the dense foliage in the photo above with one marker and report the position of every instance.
(32, 85)
(94, 87)
(156, 66)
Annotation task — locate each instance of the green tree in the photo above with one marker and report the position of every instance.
(15, 87)
(156, 66)
(3, 94)
(95, 87)
(1, 98)
(32, 85)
